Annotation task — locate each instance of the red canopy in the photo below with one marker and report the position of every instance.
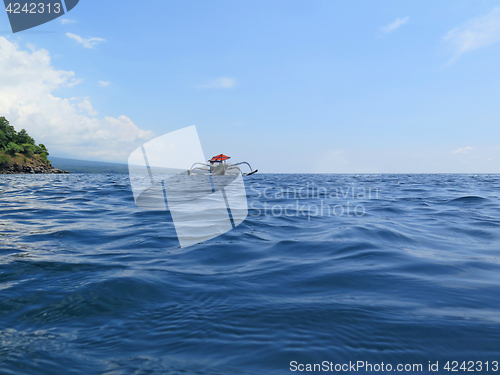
(220, 157)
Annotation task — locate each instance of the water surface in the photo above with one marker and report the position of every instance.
(90, 284)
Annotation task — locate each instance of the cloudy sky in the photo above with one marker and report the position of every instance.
(288, 85)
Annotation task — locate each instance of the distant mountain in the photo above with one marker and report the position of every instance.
(86, 166)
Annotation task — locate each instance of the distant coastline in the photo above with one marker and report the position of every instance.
(87, 166)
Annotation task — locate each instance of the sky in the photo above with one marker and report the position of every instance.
(290, 86)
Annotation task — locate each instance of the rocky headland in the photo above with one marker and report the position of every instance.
(19, 153)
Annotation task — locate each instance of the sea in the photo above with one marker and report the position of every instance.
(329, 273)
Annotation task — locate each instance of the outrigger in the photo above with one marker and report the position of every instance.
(218, 166)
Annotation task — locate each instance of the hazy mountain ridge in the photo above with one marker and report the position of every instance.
(88, 166)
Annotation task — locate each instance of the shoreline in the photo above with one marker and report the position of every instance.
(27, 169)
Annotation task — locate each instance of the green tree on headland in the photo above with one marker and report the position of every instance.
(12, 142)
(24, 138)
(13, 148)
(7, 132)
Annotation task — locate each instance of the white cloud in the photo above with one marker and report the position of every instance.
(66, 126)
(395, 25)
(478, 32)
(88, 42)
(86, 107)
(104, 83)
(66, 21)
(220, 83)
(75, 81)
(462, 150)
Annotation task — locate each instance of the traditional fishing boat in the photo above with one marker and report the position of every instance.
(218, 166)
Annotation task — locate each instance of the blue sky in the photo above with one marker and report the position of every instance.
(290, 86)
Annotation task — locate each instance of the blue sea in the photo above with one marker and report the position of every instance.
(326, 271)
